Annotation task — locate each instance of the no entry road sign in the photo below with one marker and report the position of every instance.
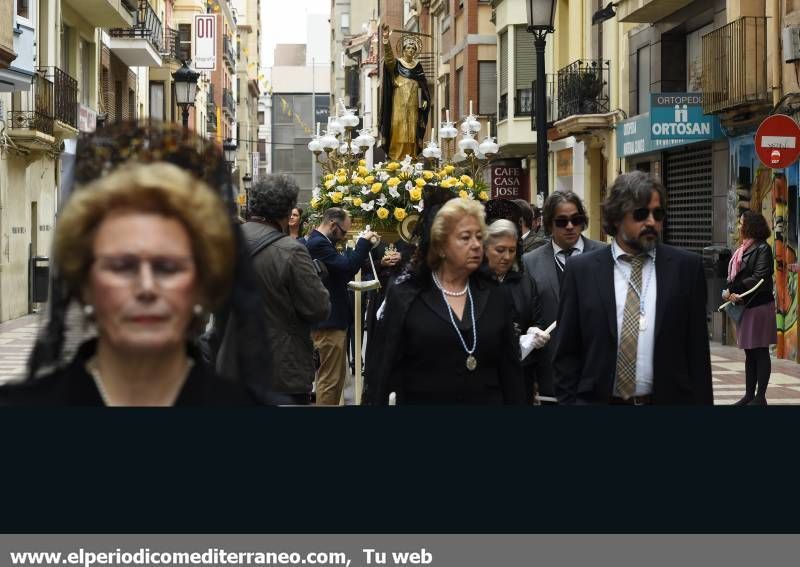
(778, 141)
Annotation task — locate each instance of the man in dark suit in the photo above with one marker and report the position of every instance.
(565, 218)
(330, 336)
(631, 319)
(533, 235)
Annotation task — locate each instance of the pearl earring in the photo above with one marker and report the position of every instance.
(88, 311)
(197, 309)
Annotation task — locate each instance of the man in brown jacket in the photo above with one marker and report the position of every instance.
(293, 295)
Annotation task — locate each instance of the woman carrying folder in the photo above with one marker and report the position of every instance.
(757, 329)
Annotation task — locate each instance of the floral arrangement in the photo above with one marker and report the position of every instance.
(385, 195)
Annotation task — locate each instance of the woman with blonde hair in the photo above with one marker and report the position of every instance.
(446, 331)
(142, 254)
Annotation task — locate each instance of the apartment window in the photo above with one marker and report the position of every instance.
(185, 41)
(503, 103)
(487, 87)
(345, 21)
(460, 94)
(238, 90)
(524, 70)
(643, 79)
(157, 109)
(86, 66)
(66, 49)
(23, 9)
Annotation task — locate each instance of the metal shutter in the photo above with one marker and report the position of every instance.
(524, 58)
(689, 185)
(504, 62)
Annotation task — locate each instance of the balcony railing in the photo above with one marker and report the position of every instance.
(502, 107)
(228, 103)
(40, 118)
(735, 65)
(211, 120)
(172, 45)
(65, 95)
(227, 51)
(583, 88)
(147, 26)
(551, 100)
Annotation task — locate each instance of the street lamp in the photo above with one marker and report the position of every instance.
(229, 149)
(185, 89)
(247, 181)
(541, 14)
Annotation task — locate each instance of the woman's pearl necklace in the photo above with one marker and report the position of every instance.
(448, 292)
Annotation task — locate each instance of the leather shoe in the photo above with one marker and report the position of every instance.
(745, 401)
(758, 401)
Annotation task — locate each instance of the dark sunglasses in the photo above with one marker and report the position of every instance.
(576, 220)
(337, 225)
(659, 214)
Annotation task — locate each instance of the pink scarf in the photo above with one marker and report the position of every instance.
(736, 260)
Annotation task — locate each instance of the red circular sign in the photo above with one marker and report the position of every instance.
(778, 141)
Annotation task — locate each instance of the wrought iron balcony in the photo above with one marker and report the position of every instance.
(735, 65)
(211, 120)
(228, 103)
(583, 88)
(228, 52)
(40, 117)
(147, 26)
(65, 95)
(172, 45)
(551, 100)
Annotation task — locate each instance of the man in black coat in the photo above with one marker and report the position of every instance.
(330, 336)
(631, 320)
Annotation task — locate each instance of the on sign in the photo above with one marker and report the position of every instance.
(205, 42)
(778, 141)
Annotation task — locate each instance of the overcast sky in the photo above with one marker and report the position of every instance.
(284, 21)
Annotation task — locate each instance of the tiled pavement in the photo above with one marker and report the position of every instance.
(727, 363)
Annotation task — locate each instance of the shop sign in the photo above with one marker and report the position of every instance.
(205, 42)
(509, 180)
(634, 136)
(679, 116)
(87, 119)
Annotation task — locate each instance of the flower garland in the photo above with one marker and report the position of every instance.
(384, 196)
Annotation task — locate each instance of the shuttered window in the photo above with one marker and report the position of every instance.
(487, 87)
(524, 71)
(504, 62)
(185, 42)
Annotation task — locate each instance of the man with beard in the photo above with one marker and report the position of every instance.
(330, 336)
(631, 319)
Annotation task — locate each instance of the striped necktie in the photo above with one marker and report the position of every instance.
(629, 335)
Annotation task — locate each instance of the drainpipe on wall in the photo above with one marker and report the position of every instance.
(774, 24)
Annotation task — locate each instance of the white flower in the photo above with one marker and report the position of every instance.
(420, 206)
(368, 206)
(381, 200)
(345, 189)
(409, 186)
(394, 192)
(365, 191)
(406, 166)
(315, 192)
(383, 176)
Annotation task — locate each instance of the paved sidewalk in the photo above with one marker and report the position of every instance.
(727, 363)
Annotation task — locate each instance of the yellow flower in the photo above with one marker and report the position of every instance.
(448, 182)
(362, 162)
(358, 181)
(483, 196)
(382, 213)
(369, 179)
(420, 182)
(399, 213)
(336, 196)
(428, 175)
(449, 169)
(393, 166)
(315, 202)
(330, 183)
(341, 171)
(463, 194)
(458, 184)
(376, 187)
(329, 177)
(415, 194)
(341, 179)
(393, 182)
(467, 180)
(362, 171)
(357, 202)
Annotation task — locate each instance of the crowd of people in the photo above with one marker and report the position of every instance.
(170, 300)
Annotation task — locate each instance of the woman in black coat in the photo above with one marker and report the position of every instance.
(502, 264)
(757, 328)
(445, 331)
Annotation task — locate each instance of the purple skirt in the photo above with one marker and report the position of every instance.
(758, 327)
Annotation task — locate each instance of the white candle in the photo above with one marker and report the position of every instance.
(317, 128)
(470, 108)
(447, 114)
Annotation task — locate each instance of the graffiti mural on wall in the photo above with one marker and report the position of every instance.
(775, 194)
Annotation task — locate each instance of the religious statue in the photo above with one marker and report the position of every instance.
(405, 99)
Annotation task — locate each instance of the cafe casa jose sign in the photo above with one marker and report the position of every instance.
(509, 180)
(675, 119)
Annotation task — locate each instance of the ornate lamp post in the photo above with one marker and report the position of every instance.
(185, 89)
(229, 148)
(247, 181)
(541, 14)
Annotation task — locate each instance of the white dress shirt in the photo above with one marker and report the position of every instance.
(646, 343)
(562, 259)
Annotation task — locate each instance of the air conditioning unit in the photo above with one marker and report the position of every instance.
(791, 43)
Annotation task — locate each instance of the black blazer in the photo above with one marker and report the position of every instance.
(585, 348)
(757, 263)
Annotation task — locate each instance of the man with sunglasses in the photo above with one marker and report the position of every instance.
(632, 319)
(564, 219)
(330, 336)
